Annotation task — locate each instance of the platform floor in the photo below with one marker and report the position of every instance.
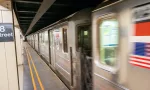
(37, 75)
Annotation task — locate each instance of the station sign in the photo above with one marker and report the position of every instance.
(6, 32)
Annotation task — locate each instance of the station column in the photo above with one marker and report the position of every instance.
(8, 58)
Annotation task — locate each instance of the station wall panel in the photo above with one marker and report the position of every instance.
(8, 64)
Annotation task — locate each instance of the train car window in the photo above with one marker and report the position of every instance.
(51, 38)
(108, 38)
(46, 37)
(65, 42)
(41, 40)
(32, 39)
(42, 37)
(84, 39)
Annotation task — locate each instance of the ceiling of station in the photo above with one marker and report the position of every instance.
(27, 9)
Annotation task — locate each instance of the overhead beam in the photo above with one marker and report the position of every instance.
(24, 23)
(59, 4)
(26, 11)
(46, 4)
(15, 12)
(26, 17)
(33, 12)
(41, 21)
(30, 2)
(33, 17)
(29, 23)
(25, 20)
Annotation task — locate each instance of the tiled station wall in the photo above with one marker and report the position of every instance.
(8, 63)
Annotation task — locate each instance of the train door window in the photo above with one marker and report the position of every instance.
(65, 42)
(46, 37)
(40, 37)
(108, 40)
(84, 38)
(51, 38)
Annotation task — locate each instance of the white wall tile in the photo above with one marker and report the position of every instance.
(7, 16)
(1, 16)
(3, 68)
(11, 65)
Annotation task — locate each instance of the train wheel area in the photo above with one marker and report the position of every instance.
(36, 73)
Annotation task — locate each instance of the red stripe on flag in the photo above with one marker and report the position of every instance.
(140, 58)
(147, 43)
(147, 63)
(142, 29)
(136, 64)
(147, 46)
(148, 54)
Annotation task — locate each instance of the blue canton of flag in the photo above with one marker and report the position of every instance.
(141, 55)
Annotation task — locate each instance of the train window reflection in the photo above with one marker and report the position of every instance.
(65, 42)
(108, 34)
(84, 39)
(46, 37)
(42, 37)
(51, 38)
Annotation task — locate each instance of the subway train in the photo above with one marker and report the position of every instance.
(102, 48)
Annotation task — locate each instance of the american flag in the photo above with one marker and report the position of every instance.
(141, 38)
(141, 55)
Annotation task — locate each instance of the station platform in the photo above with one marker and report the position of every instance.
(36, 73)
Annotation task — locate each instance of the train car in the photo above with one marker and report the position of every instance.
(120, 32)
(36, 41)
(29, 39)
(118, 50)
(32, 40)
(44, 46)
(62, 44)
(68, 37)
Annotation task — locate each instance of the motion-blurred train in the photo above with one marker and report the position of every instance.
(106, 48)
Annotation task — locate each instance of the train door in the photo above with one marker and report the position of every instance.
(34, 41)
(30, 40)
(46, 46)
(40, 41)
(84, 48)
(105, 53)
(52, 48)
(37, 42)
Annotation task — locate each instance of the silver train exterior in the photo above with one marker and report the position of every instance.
(111, 67)
(58, 45)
